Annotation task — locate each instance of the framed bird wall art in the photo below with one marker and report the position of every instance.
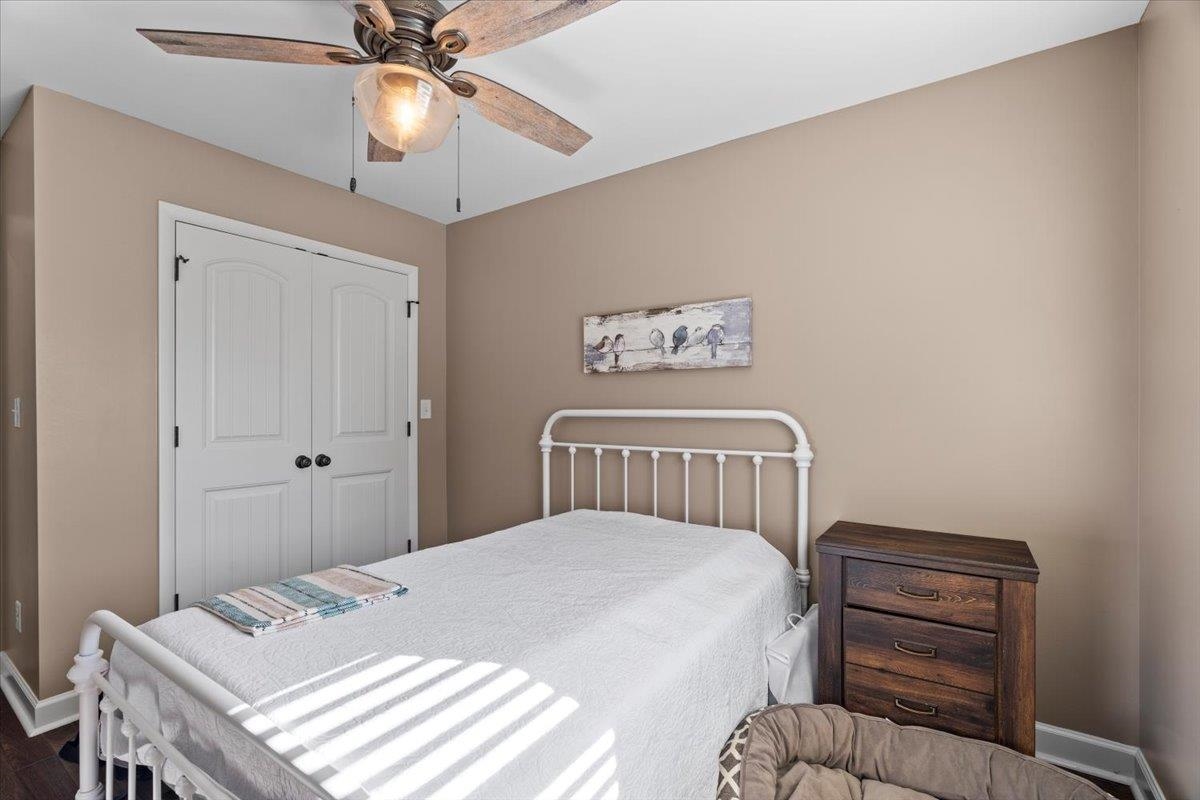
(715, 333)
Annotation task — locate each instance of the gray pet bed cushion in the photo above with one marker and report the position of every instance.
(802, 752)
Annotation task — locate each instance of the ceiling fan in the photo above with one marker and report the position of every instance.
(408, 96)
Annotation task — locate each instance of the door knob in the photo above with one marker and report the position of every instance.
(303, 462)
(323, 460)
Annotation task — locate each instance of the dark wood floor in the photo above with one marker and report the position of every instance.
(30, 769)
(1117, 790)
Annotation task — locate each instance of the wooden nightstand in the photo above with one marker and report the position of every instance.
(932, 629)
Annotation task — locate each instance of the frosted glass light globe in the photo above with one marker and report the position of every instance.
(405, 108)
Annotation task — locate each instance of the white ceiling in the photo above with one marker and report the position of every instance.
(649, 79)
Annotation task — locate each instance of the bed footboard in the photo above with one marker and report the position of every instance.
(140, 741)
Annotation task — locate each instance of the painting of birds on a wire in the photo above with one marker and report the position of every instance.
(716, 333)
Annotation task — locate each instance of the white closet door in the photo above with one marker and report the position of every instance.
(360, 412)
(243, 406)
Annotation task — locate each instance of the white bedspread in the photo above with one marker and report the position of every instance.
(592, 654)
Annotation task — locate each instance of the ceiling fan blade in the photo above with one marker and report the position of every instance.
(378, 151)
(519, 114)
(490, 26)
(250, 48)
(372, 14)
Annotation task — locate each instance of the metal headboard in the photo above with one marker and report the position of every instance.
(801, 454)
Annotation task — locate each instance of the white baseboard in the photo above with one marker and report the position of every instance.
(36, 716)
(1144, 783)
(1081, 752)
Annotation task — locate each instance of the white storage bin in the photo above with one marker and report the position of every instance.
(792, 660)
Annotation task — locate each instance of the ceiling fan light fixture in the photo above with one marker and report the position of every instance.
(408, 98)
(405, 108)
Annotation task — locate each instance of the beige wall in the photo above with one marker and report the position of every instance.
(100, 177)
(945, 286)
(18, 447)
(945, 291)
(1169, 71)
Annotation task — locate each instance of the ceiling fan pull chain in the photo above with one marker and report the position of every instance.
(353, 180)
(458, 186)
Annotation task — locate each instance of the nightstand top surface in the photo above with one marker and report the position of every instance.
(979, 555)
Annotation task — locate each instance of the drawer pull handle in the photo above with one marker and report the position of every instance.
(927, 711)
(932, 595)
(922, 650)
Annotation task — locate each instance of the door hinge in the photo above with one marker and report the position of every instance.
(408, 425)
(409, 305)
(179, 260)
(177, 436)
(410, 545)
(176, 602)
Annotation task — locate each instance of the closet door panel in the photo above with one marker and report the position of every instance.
(359, 517)
(360, 413)
(243, 406)
(360, 362)
(244, 536)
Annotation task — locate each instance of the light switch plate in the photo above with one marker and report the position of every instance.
(426, 409)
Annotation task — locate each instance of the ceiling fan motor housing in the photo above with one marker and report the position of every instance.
(412, 38)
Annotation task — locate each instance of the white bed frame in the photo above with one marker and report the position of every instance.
(120, 716)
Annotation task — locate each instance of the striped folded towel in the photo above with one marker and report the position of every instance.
(289, 603)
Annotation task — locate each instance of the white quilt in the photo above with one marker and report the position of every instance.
(591, 654)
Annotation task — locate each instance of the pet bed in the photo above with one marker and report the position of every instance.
(803, 752)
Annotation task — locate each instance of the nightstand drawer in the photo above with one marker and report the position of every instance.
(951, 597)
(908, 701)
(930, 651)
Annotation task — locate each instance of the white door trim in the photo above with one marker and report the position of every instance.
(168, 215)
